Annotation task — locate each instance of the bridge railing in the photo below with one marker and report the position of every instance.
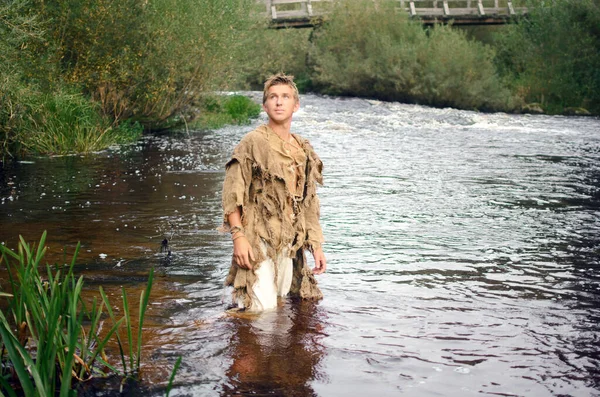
(280, 10)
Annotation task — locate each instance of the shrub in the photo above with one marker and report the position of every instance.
(552, 55)
(270, 51)
(460, 73)
(371, 49)
(65, 122)
(217, 111)
(149, 61)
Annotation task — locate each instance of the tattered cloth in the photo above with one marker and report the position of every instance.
(256, 180)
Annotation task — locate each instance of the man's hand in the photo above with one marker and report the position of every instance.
(320, 261)
(242, 253)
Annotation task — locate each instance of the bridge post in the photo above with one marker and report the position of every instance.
(480, 7)
(309, 8)
(511, 10)
(413, 12)
(446, 8)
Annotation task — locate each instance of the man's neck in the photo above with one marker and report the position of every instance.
(283, 130)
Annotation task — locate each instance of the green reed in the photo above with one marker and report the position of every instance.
(50, 338)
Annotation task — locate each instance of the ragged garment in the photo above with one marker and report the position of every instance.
(280, 206)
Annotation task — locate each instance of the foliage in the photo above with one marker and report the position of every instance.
(145, 62)
(50, 338)
(63, 122)
(149, 61)
(370, 49)
(270, 51)
(552, 56)
(218, 111)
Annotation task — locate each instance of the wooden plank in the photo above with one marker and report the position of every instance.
(303, 7)
(413, 12)
(429, 11)
(480, 7)
(291, 14)
(446, 10)
(277, 2)
(273, 12)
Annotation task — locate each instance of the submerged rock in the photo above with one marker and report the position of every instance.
(533, 108)
(574, 111)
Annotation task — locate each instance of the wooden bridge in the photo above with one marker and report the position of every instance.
(306, 13)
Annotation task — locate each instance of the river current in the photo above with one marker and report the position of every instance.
(463, 254)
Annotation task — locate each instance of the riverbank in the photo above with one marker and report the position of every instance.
(71, 81)
(543, 63)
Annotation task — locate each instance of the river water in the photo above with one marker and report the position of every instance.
(463, 253)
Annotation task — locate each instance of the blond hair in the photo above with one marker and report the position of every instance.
(277, 79)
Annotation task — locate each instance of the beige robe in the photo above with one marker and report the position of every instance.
(258, 178)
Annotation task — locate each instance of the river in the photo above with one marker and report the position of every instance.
(463, 252)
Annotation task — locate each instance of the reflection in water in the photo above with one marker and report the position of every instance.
(275, 353)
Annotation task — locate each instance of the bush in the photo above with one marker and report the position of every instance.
(128, 61)
(66, 122)
(149, 61)
(460, 73)
(217, 111)
(552, 55)
(370, 49)
(270, 51)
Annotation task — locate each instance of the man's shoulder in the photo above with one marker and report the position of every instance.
(257, 135)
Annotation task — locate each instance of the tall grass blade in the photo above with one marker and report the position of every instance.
(144, 298)
(22, 361)
(4, 385)
(11, 343)
(172, 377)
(113, 319)
(41, 249)
(128, 327)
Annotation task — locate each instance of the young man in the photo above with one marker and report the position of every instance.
(271, 207)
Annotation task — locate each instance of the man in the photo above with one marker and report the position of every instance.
(271, 207)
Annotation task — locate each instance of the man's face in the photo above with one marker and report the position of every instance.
(280, 104)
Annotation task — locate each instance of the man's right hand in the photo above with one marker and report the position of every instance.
(242, 253)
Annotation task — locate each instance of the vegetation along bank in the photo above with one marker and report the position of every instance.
(80, 76)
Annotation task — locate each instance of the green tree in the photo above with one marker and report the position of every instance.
(552, 56)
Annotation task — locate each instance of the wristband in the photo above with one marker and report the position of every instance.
(235, 229)
(238, 236)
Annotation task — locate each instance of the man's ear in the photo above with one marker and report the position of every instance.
(297, 106)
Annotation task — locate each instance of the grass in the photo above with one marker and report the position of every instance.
(66, 122)
(50, 339)
(218, 111)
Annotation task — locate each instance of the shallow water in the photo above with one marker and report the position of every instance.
(462, 249)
